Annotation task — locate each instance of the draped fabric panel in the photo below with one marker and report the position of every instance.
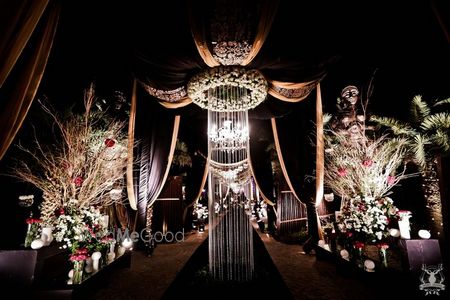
(19, 90)
(292, 134)
(289, 91)
(194, 134)
(268, 12)
(260, 158)
(320, 148)
(199, 27)
(156, 131)
(18, 21)
(295, 153)
(131, 144)
(291, 76)
(199, 35)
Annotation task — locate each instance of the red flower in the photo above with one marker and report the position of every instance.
(390, 180)
(61, 211)
(32, 221)
(110, 142)
(383, 246)
(78, 257)
(342, 172)
(78, 181)
(367, 163)
(359, 245)
(81, 251)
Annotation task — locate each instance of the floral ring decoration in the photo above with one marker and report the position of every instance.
(228, 89)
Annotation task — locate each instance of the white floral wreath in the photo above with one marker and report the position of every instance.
(209, 89)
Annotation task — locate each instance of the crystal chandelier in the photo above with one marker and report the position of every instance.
(228, 131)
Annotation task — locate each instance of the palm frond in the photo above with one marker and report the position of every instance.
(418, 149)
(441, 102)
(419, 109)
(442, 139)
(438, 121)
(181, 156)
(326, 118)
(397, 127)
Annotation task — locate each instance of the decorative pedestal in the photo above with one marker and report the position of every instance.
(404, 227)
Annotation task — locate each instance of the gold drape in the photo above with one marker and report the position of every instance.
(173, 105)
(18, 27)
(17, 102)
(293, 86)
(319, 147)
(269, 10)
(198, 34)
(130, 162)
(280, 157)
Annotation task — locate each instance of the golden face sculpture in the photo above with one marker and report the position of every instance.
(351, 94)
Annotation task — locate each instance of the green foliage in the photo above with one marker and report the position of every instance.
(181, 156)
(427, 132)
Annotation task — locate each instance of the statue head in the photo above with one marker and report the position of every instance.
(350, 94)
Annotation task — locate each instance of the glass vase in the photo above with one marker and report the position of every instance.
(358, 254)
(78, 266)
(30, 235)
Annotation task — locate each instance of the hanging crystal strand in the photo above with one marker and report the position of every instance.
(230, 235)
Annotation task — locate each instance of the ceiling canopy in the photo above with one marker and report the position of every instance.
(158, 42)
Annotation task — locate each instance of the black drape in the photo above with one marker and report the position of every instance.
(260, 139)
(153, 136)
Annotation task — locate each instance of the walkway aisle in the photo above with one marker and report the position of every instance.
(308, 278)
(149, 277)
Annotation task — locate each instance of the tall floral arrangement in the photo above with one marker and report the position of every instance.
(362, 168)
(369, 168)
(85, 163)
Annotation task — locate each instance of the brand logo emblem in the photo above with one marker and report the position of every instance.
(432, 279)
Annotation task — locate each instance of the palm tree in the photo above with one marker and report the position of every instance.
(428, 133)
(181, 158)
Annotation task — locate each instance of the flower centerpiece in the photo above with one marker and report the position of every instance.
(77, 172)
(79, 227)
(367, 218)
(229, 88)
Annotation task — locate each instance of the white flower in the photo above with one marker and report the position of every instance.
(209, 89)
